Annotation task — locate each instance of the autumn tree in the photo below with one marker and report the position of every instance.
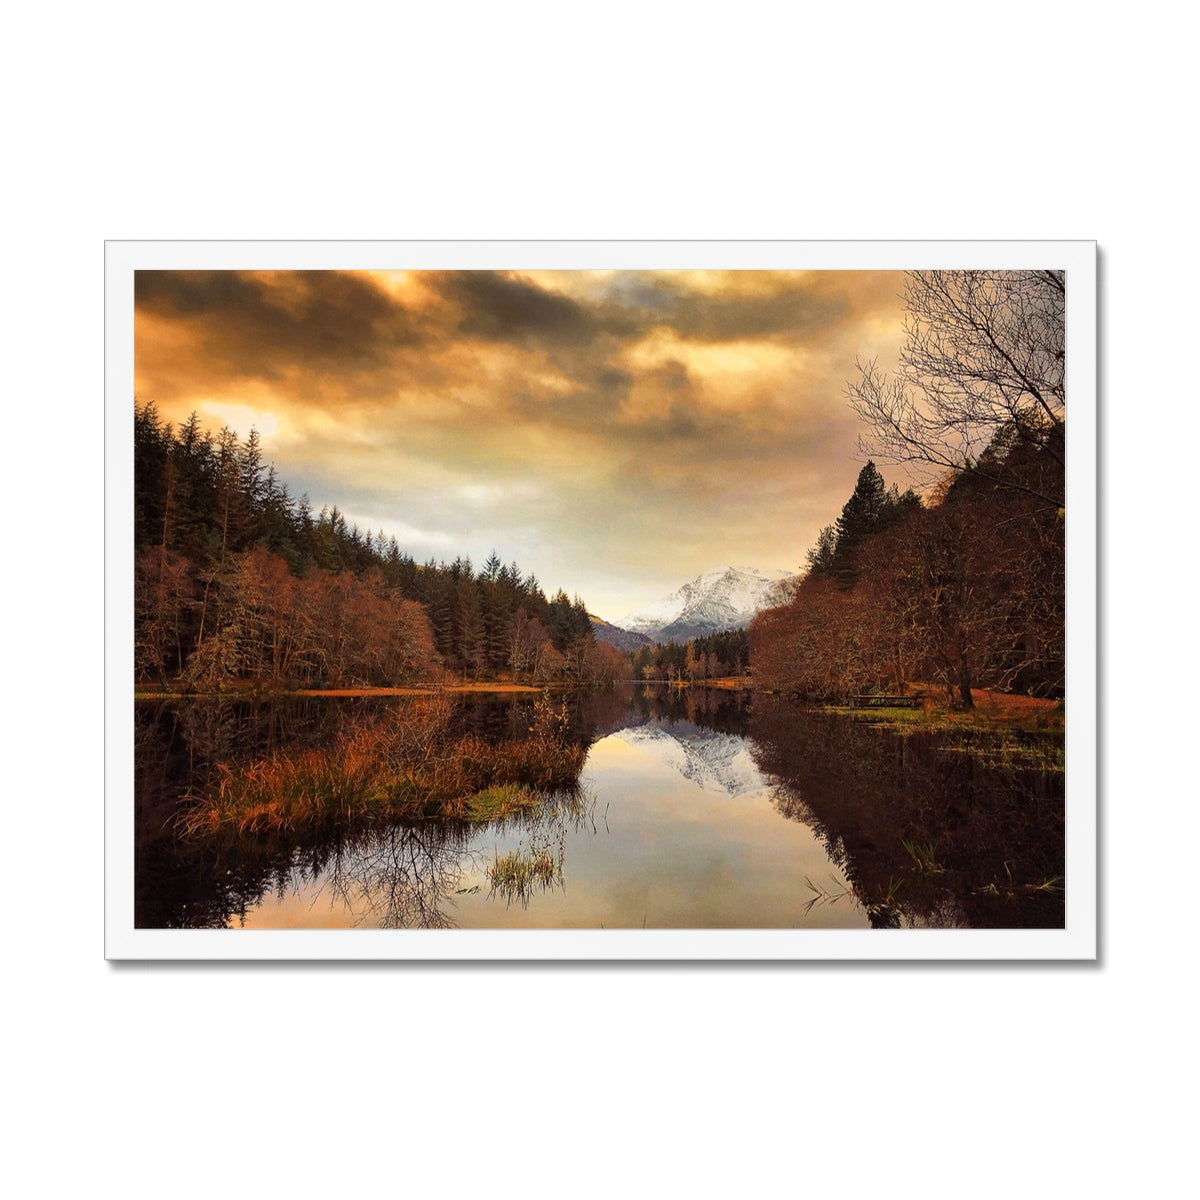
(235, 580)
(804, 647)
(163, 595)
(970, 590)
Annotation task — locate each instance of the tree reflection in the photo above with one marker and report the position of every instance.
(401, 877)
(927, 833)
(396, 876)
(406, 876)
(923, 831)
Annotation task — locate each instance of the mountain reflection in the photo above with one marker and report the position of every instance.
(836, 822)
(715, 762)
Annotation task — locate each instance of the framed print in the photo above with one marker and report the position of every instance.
(600, 600)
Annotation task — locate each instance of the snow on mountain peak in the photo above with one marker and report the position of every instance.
(718, 599)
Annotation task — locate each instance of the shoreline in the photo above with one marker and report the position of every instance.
(993, 710)
(157, 692)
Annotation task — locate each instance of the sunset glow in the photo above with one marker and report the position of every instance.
(607, 430)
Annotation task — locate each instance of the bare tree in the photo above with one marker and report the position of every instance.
(981, 376)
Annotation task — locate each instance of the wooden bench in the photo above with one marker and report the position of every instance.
(886, 701)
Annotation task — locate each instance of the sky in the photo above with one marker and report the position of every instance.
(615, 433)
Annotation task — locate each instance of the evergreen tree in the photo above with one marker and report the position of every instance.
(235, 579)
(859, 515)
(822, 556)
(469, 634)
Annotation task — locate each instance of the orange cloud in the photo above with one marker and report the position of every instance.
(615, 431)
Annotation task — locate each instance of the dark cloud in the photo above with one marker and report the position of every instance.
(597, 425)
(343, 337)
(612, 380)
(672, 376)
(263, 324)
(792, 314)
(656, 403)
(496, 306)
(500, 306)
(772, 307)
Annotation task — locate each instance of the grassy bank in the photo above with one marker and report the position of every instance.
(403, 766)
(1001, 731)
(728, 683)
(993, 712)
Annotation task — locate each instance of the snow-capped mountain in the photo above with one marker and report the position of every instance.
(714, 762)
(720, 599)
(623, 639)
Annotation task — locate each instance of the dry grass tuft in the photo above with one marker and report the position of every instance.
(405, 767)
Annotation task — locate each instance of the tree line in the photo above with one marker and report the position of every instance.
(238, 580)
(714, 656)
(966, 587)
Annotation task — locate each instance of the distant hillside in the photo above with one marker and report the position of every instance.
(623, 639)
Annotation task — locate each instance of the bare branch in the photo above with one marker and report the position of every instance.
(983, 354)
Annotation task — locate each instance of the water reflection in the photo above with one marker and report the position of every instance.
(719, 762)
(928, 833)
(695, 810)
(397, 878)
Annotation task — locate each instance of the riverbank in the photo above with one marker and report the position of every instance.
(254, 691)
(993, 711)
(996, 711)
(376, 769)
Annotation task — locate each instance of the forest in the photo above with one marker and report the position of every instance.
(960, 590)
(964, 592)
(716, 656)
(963, 588)
(268, 776)
(238, 581)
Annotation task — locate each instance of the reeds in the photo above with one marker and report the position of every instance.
(517, 874)
(983, 719)
(924, 855)
(824, 895)
(404, 767)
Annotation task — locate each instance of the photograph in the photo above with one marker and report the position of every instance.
(600, 600)
(556, 537)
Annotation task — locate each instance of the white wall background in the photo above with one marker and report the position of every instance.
(615, 121)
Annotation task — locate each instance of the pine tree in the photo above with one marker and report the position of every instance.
(859, 515)
(822, 556)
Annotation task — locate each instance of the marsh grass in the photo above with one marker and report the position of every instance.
(500, 800)
(1022, 738)
(1010, 749)
(994, 714)
(924, 855)
(824, 895)
(405, 766)
(536, 865)
(1053, 884)
(519, 874)
(1010, 889)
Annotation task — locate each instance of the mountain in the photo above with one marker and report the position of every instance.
(720, 599)
(623, 639)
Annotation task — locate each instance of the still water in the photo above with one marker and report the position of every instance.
(700, 811)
